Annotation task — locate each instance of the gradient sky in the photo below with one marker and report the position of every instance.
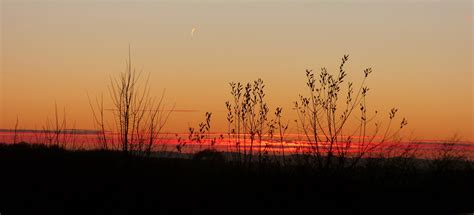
(58, 51)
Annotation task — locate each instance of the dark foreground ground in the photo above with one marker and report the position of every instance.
(39, 180)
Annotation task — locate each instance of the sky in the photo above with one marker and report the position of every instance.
(61, 51)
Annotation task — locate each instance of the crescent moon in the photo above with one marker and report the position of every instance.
(192, 31)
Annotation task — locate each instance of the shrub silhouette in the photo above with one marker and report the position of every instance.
(138, 116)
(323, 119)
(210, 155)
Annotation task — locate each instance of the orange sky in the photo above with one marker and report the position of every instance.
(58, 51)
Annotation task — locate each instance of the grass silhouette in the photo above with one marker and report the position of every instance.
(340, 170)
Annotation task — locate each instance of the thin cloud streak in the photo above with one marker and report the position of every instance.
(172, 110)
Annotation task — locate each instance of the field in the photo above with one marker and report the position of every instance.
(38, 179)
